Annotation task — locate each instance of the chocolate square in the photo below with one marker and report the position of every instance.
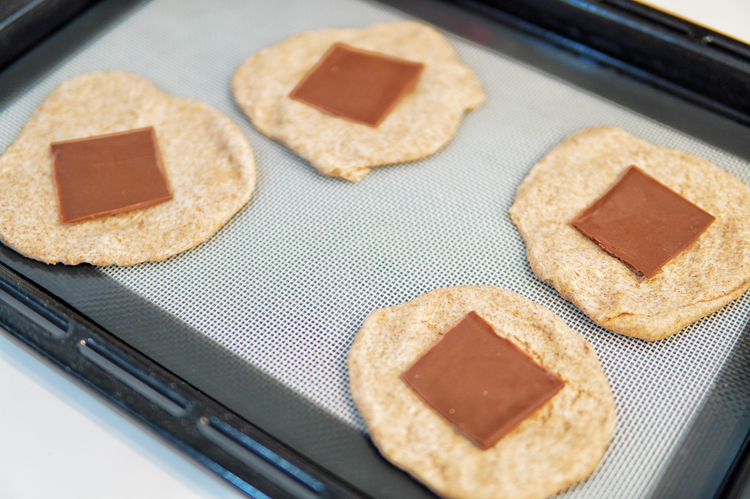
(479, 382)
(642, 222)
(356, 84)
(108, 174)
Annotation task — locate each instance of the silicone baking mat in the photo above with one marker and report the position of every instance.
(286, 284)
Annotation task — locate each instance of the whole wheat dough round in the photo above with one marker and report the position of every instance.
(558, 445)
(420, 124)
(208, 163)
(711, 272)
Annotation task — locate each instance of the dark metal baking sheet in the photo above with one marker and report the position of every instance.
(276, 408)
(23, 23)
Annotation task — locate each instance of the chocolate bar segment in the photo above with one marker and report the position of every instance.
(356, 84)
(642, 222)
(107, 174)
(479, 382)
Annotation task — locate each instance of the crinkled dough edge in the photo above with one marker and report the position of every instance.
(338, 147)
(416, 439)
(645, 326)
(102, 253)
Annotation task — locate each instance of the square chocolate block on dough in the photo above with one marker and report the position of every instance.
(479, 382)
(642, 222)
(356, 84)
(108, 174)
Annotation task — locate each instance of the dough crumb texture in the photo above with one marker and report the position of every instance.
(208, 162)
(420, 124)
(558, 445)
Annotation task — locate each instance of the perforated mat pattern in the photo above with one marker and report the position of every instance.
(286, 284)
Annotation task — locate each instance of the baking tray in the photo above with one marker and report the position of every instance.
(24, 22)
(234, 351)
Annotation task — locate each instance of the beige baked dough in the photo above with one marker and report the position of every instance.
(708, 274)
(420, 124)
(555, 447)
(208, 162)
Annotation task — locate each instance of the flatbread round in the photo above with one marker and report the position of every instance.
(708, 274)
(208, 163)
(420, 124)
(558, 445)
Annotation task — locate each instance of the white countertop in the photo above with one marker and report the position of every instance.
(730, 17)
(88, 450)
(58, 441)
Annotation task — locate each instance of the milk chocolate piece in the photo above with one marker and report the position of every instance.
(479, 382)
(107, 174)
(642, 222)
(356, 84)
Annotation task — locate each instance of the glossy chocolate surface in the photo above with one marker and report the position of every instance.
(356, 84)
(107, 174)
(642, 222)
(479, 382)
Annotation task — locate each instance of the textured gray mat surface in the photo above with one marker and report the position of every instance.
(287, 282)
